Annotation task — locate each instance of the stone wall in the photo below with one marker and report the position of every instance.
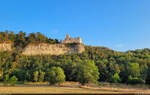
(68, 46)
(71, 40)
(5, 46)
(52, 49)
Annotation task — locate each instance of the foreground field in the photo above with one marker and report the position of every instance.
(54, 89)
(73, 87)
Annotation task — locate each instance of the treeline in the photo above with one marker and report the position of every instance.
(21, 39)
(96, 64)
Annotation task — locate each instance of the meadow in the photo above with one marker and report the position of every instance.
(73, 87)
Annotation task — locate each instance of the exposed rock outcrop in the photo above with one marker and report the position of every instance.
(6, 46)
(52, 49)
(67, 46)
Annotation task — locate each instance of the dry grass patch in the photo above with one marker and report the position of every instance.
(7, 90)
(69, 87)
(84, 89)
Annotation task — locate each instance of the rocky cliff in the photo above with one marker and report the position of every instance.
(67, 46)
(52, 49)
(5, 46)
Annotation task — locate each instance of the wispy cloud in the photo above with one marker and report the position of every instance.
(54, 31)
(119, 45)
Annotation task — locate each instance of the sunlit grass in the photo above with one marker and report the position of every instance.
(70, 87)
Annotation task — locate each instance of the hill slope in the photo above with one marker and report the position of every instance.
(126, 67)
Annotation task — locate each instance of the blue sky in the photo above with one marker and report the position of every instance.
(117, 24)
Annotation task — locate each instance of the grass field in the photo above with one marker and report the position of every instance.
(68, 88)
(51, 89)
(5, 90)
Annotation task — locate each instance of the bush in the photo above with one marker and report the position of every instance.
(13, 80)
(135, 80)
(115, 78)
(87, 72)
(56, 75)
(6, 79)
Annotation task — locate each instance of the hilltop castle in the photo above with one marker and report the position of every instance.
(71, 40)
(55, 49)
(49, 49)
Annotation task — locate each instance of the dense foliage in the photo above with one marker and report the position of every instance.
(113, 66)
(56, 75)
(13, 80)
(21, 39)
(87, 72)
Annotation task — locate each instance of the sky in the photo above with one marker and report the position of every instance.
(117, 24)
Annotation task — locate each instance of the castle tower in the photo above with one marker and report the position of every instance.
(71, 40)
(79, 40)
(67, 37)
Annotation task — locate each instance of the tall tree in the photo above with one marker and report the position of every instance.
(87, 72)
(56, 75)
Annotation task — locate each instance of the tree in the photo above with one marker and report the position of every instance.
(135, 80)
(36, 74)
(133, 69)
(41, 76)
(6, 79)
(115, 78)
(87, 72)
(12, 36)
(112, 65)
(20, 39)
(40, 37)
(13, 80)
(56, 75)
(101, 64)
(148, 75)
(32, 38)
(70, 71)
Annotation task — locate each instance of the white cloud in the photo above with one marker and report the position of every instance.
(54, 31)
(119, 45)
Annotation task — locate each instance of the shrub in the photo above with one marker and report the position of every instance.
(87, 72)
(56, 75)
(115, 78)
(135, 80)
(6, 79)
(13, 80)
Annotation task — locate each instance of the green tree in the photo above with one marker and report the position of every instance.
(32, 38)
(13, 80)
(36, 75)
(102, 67)
(135, 80)
(6, 79)
(133, 69)
(40, 37)
(70, 71)
(12, 36)
(56, 75)
(41, 76)
(87, 72)
(20, 40)
(115, 78)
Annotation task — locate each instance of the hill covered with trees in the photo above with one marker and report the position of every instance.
(96, 64)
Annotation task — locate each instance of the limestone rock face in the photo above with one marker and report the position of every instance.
(5, 46)
(67, 46)
(52, 49)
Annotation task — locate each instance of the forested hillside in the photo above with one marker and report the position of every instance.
(96, 64)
